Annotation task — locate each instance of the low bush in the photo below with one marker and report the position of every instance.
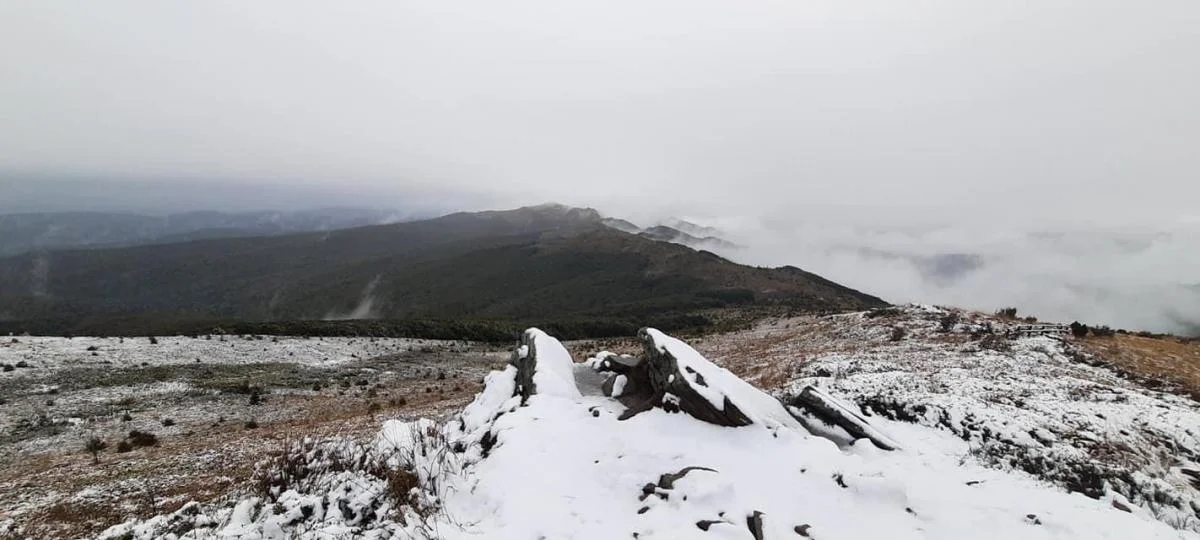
(142, 438)
(94, 446)
(884, 312)
(948, 322)
(1103, 331)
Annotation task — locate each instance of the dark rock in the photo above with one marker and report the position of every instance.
(818, 406)
(526, 366)
(657, 375)
(705, 524)
(667, 480)
(1193, 477)
(754, 522)
(802, 530)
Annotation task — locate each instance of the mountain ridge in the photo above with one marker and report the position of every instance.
(40, 231)
(495, 264)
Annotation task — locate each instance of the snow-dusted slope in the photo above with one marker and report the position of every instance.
(43, 355)
(564, 466)
(1034, 405)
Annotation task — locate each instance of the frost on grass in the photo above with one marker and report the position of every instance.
(562, 464)
(1038, 406)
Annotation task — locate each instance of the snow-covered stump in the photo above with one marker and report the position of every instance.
(811, 406)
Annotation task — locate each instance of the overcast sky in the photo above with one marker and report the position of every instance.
(1087, 107)
(1034, 115)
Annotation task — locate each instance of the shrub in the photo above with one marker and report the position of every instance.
(993, 342)
(1079, 330)
(153, 340)
(255, 397)
(251, 424)
(948, 321)
(1102, 331)
(142, 438)
(124, 446)
(8, 367)
(883, 312)
(1007, 313)
(168, 422)
(94, 446)
(22, 364)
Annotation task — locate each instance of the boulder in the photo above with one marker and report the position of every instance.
(821, 414)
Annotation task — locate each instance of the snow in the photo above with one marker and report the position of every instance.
(1031, 406)
(564, 467)
(555, 372)
(720, 384)
(44, 354)
(619, 383)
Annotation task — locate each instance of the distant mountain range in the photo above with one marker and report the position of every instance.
(676, 231)
(534, 262)
(20, 233)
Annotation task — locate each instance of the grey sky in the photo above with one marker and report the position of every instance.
(776, 116)
(748, 105)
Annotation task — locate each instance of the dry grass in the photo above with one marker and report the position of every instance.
(1165, 361)
(214, 461)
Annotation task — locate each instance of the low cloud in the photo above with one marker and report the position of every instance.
(1145, 279)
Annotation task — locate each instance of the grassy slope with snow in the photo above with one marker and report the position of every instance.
(1035, 405)
(48, 354)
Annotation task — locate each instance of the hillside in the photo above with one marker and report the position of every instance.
(20, 233)
(657, 444)
(523, 263)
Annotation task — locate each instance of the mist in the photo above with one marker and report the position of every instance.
(964, 152)
(1137, 279)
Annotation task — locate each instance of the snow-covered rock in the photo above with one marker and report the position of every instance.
(1031, 405)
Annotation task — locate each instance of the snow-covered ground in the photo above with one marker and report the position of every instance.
(44, 354)
(58, 394)
(562, 465)
(1035, 405)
